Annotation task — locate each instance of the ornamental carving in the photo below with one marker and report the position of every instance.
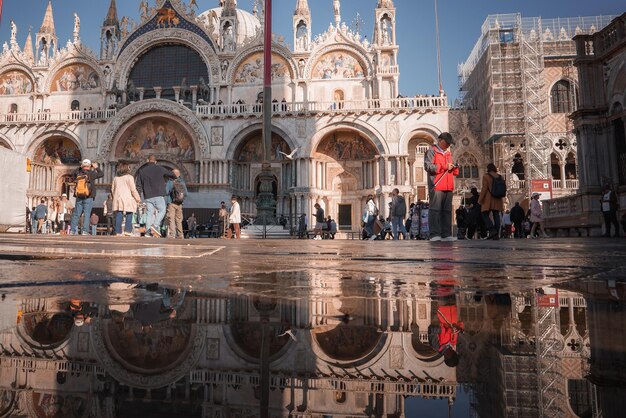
(281, 56)
(154, 105)
(332, 54)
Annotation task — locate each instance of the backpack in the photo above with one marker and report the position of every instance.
(498, 187)
(83, 186)
(178, 193)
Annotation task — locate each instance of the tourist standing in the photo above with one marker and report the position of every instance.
(94, 219)
(491, 203)
(369, 217)
(398, 213)
(508, 224)
(192, 226)
(151, 184)
(517, 218)
(333, 228)
(40, 216)
(65, 213)
(124, 200)
(109, 215)
(319, 222)
(85, 193)
(610, 206)
(175, 192)
(461, 222)
(441, 172)
(536, 216)
(234, 219)
(53, 210)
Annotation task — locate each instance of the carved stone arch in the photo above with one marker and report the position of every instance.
(365, 129)
(175, 110)
(369, 355)
(143, 43)
(252, 127)
(244, 54)
(4, 142)
(62, 63)
(355, 50)
(22, 68)
(43, 137)
(8, 403)
(27, 334)
(423, 128)
(132, 376)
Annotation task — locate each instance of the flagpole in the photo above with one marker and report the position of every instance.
(441, 92)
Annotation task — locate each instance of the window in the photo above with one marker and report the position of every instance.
(75, 105)
(166, 66)
(468, 167)
(563, 97)
(13, 108)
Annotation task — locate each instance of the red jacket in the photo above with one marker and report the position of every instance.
(435, 163)
(447, 316)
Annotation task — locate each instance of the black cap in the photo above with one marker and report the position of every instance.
(447, 137)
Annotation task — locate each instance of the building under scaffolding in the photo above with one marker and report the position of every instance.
(520, 78)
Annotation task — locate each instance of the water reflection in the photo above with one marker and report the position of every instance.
(372, 349)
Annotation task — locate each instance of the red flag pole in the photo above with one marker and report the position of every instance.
(267, 82)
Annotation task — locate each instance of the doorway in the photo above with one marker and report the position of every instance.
(345, 217)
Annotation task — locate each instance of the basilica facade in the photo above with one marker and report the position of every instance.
(185, 85)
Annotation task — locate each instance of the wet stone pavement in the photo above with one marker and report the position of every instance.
(113, 327)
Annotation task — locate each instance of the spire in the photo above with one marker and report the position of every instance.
(111, 19)
(28, 47)
(385, 4)
(302, 8)
(47, 26)
(337, 12)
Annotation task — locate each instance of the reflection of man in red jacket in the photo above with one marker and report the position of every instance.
(444, 336)
(441, 173)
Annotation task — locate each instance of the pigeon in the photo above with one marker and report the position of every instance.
(289, 156)
(290, 333)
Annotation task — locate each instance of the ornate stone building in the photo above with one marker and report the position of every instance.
(521, 80)
(340, 132)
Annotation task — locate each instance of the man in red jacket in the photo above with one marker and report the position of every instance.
(441, 173)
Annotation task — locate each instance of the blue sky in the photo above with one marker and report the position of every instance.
(460, 22)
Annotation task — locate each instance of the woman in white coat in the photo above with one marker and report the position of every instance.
(536, 216)
(125, 199)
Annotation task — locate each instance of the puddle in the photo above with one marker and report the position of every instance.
(316, 345)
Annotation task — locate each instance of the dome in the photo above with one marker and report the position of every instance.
(247, 23)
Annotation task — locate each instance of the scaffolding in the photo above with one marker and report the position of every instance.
(504, 78)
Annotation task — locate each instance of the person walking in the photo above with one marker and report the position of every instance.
(223, 220)
(94, 219)
(461, 222)
(610, 206)
(320, 220)
(491, 202)
(65, 214)
(234, 219)
(124, 200)
(508, 224)
(398, 213)
(151, 184)
(85, 193)
(536, 216)
(175, 192)
(441, 172)
(517, 218)
(369, 217)
(40, 216)
(53, 211)
(109, 215)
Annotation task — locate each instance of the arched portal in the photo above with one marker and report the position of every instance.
(344, 171)
(247, 165)
(418, 145)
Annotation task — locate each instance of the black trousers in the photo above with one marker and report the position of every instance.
(610, 217)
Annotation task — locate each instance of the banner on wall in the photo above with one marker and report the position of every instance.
(13, 186)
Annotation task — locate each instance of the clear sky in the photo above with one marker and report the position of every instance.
(460, 22)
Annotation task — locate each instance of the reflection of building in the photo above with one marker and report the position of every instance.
(510, 374)
(600, 126)
(201, 113)
(220, 356)
(521, 81)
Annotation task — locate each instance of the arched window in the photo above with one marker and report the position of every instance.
(75, 105)
(555, 164)
(570, 167)
(13, 108)
(518, 167)
(468, 167)
(563, 97)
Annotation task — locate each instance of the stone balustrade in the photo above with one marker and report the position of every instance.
(406, 104)
(47, 117)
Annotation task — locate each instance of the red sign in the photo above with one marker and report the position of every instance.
(548, 297)
(543, 187)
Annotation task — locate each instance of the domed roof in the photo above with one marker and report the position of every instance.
(248, 24)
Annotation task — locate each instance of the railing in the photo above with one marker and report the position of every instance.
(564, 206)
(286, 108)
(44, 117)
(422, 149)
(391, 69)
(518, 184)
